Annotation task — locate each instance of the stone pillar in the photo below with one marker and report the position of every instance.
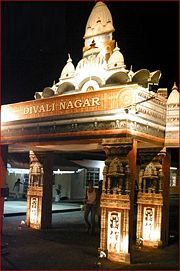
(116, 199)
(3, 175)
(39, 193)
(153, 198)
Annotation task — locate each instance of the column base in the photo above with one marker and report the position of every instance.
(35, 226)
(119, 257)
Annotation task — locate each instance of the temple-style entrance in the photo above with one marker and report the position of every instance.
(101, 108)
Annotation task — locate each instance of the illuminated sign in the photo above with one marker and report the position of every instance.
(64, 105)
(94, 101)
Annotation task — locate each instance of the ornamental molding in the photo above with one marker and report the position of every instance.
(115, 201)
(35, 191)
(132, 128)
(158, 99)
(152, 113)
(117, 141)
(150, 198)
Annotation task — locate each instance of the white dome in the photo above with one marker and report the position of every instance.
(68, 70)
(116, 60)
(174, 96)
(99, 22)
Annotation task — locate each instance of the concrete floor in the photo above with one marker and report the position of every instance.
(67, 246)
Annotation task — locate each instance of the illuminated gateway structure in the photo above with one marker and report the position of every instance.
(100, 105)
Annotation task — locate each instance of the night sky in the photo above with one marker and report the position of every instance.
(37, 37)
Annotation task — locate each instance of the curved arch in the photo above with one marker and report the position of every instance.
(118, 77)
(90, 85)
(65, 87)
(95, 78)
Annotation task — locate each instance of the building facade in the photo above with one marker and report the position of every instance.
(101, 106)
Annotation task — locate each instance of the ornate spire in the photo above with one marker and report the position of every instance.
(174, 95)
(99, 22)
(68, 70)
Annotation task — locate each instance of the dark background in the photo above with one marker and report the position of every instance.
(37, 37)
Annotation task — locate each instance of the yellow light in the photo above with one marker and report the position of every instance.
(156, 235)
(124, 246)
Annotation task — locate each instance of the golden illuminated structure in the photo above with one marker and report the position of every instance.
(115, 200)
(152, 198)
(101, 105)
(39, 190)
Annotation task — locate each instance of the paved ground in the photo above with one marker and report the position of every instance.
(18, 207)
(67, 246)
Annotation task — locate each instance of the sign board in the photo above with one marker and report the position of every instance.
(94, 101)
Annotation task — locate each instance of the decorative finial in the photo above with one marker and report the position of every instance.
(69, 58)
(131, 73)
(175, 86)
(116, 47)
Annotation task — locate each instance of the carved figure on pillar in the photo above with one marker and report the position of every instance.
(150, 199)
(114, 232)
